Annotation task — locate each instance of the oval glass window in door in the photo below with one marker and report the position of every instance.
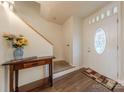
(100, 41)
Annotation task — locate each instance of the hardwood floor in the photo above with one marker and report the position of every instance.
(77, 82)
(61, 66)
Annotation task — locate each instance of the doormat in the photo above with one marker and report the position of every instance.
(105, 81)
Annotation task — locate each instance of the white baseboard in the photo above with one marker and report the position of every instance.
(59, 74)
(58, 60)
(121, 82)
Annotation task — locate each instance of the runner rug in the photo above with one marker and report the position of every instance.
(103, 80)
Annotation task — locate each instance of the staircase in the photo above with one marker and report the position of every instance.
(32, 27)
(59, 65)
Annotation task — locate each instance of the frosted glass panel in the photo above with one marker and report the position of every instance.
(97, 18)
(102, 16)
(100, 41)
(108, 13)
(115, 9)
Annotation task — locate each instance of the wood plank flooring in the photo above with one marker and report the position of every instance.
(61, 66)
(77, 82)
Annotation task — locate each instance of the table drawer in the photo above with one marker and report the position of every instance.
(33, 64)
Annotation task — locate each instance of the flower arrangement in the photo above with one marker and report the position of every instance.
(17, 41)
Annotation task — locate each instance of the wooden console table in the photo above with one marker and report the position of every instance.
(16, 65)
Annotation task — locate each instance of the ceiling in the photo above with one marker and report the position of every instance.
(59, 11)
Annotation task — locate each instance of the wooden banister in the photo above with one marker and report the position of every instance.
(34, 29)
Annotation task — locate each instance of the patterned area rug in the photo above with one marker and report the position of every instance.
(105, 81)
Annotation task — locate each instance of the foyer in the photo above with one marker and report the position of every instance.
(44, 41)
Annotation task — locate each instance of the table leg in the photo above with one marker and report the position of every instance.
(11, 79)
(16, 80)
(50, 75)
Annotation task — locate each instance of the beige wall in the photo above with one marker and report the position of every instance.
(37, 47)
(52, 31)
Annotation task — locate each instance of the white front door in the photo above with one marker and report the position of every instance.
(106, 62)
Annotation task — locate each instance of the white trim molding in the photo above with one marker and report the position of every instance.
(59, 74)
(121, 82)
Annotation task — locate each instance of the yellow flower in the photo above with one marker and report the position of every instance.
(6, 34)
